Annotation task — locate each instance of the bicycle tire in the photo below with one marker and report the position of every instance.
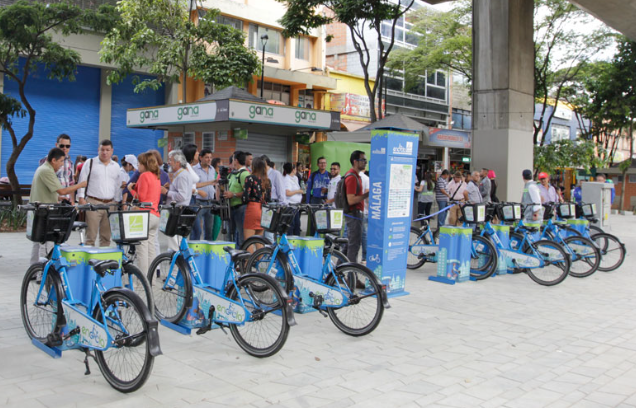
(40, 321)
(415, 237)
(561, 263)
(516, 239)
(364, 284)
(251, 244)
(259, 263)
(571, 230)
(483, 247)
(124, 317)
(134, 279)
(609, 244)
(170, 304)
(337, 258)
(267, 305)
(593, 259)
(593, 230)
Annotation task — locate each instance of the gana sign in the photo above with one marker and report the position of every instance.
(187, 113)
(449, 138)
(283, 115)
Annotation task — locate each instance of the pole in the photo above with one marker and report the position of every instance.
(263, 72)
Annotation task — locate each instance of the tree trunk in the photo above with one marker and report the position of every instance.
(621, 206)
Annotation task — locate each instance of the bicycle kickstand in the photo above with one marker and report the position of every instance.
(207, 328)
(88, 354)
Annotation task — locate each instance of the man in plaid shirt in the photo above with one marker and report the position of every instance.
(65, 174)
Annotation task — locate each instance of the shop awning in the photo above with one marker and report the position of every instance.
(221, 111)
(394, 122)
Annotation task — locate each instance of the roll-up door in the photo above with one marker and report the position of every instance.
(70, 107)
(275, 147)
(133, 141)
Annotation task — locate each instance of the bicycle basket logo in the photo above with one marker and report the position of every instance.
(308, 116)
(148, 114)
(191, 111)
(136, 223)
(408, 149)
(263, 111)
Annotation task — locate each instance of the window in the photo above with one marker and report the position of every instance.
(208, 141)
(632, 178)
(306, 98)
(560, 132)
(274, 42)
(437, 93)
(276, 92)
(232, 22)
(188, 138)
(302, 48)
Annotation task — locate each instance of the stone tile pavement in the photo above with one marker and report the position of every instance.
(504, 342)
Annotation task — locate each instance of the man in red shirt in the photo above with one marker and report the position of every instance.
(355, 198)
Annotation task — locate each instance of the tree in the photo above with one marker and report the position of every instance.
(567, 153)
(364, 20)
(160, 38)
(25, 33)
(561, 48)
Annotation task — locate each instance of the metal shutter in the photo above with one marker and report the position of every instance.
(133, 141)
(275, 147)
(62, 107)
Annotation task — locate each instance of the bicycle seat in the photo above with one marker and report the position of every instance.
(424, 222)
(101, 267)
(532, 230)
(593, 220)
(78, 225)
(237, 254)
(335, 239)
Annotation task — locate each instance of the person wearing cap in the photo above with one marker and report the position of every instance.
(129, 165)
(531, 198)
(548, 192)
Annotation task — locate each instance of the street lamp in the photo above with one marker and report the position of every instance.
(264, 39)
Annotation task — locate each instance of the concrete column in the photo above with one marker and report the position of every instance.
(503, 93)
(1, 164)
(446, 159)
(105, 107)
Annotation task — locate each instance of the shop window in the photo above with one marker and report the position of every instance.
(188, 138)
(208, 141)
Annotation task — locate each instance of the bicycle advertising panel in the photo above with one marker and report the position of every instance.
(392, 181)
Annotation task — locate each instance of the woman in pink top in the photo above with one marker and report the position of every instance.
(148, 189)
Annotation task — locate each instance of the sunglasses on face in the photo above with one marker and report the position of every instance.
(63, 146)
(362, 160)
(333, 169)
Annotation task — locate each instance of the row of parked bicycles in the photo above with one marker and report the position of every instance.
(547, 251)
(117, 324)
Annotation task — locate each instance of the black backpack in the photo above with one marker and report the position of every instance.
(340, 198)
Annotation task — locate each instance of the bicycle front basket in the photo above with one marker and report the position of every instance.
(50, 224)
(129, 226)
(566, 210)
(589, 210)
(510, 212)
(177, 220)
(328, 220)
(474, 213)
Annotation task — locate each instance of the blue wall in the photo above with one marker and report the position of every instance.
(61, 107)
(133, 141)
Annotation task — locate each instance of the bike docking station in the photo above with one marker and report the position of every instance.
(308, 252)
(453, 258)
(211, 261)
(503, 233)
(392, 177)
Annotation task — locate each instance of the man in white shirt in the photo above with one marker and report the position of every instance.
(102, 177)
(333, 183)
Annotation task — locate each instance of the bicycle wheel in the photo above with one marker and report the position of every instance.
(170, 299)
(483, 259)
(337, 258)
(255, 242)
(127, 362)
(40, 318)
(586, 256)
(612, 251)
(556, 263)
(572, 231)
(593, 230)
(364, 310)
(133, 279)
(416, 237)
(266, 330)
(259, 262)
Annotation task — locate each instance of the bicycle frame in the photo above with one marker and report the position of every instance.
(520, 258)
(425, 249)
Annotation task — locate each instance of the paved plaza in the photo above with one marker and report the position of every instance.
(503, 342)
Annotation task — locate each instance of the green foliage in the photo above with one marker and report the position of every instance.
(12, 219)
(445, 42)
(363, 18)
(567, 153)
(159, 37)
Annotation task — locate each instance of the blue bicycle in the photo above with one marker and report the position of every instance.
(254, 308)
(349, 293)
(115, 324)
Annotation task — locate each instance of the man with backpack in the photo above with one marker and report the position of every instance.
(317, 187)
(350, 197)
(234, 193)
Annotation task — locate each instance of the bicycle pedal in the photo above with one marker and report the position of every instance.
(54, 340)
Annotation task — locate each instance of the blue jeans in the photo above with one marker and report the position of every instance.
(237, 215)
(294, 227)
(354, 234)
(365, 222)
(441, 217)
(205, 216)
